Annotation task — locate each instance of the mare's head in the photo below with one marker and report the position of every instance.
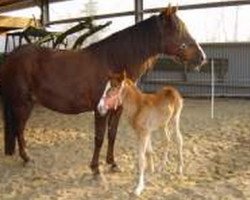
(177, 41)
(114, 92)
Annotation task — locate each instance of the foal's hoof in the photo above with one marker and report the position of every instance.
(138, 191)
(115, 169)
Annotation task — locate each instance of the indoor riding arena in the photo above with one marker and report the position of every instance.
(63, 158)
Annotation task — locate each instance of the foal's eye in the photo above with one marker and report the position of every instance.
(183, 46)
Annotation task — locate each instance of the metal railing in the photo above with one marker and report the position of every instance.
(152, 10)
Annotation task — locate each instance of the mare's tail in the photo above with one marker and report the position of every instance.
(9, 127)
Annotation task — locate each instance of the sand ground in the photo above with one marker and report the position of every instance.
(216, 153)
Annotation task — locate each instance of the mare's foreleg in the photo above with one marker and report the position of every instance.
(113, 122)
(100, 127)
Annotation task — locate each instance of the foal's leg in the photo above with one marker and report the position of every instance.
(113, 122)
(143, 143)
(100, 126)
(150, 157)
(179, 141)
(167, 146)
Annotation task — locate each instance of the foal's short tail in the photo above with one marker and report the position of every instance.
(174, 98)
(9, 127)
(175, 102)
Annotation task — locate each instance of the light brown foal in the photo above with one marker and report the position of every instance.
(146, 113)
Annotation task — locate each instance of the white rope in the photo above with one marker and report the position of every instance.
(212, 88)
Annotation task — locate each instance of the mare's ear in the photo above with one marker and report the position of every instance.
(170, 10)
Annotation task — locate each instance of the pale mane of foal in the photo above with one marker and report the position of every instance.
(147, 113)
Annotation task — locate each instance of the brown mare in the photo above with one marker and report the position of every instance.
(146, 113)
(72, 82)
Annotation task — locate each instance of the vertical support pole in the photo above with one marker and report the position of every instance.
(138, 10)
(139, 17)
(44, 5)
(212, 88)
(6, 43)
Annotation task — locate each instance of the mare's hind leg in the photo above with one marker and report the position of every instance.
(113, 122)
(100, 126)
(21, 113)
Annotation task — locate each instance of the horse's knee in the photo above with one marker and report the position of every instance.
(99, 140)
(112, 136)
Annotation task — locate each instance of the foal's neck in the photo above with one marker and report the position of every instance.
(132, 96)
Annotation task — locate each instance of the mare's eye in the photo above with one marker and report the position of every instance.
(183, 46)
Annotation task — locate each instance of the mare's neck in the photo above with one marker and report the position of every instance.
(133, 49)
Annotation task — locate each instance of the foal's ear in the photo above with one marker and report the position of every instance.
(124, 75)
(115, 78)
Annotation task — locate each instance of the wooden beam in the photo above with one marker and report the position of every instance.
(16, 22)
(204, 5)
(11, 5)
(15, 5)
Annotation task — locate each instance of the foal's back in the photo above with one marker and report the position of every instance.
(173, 98)
(152, 111)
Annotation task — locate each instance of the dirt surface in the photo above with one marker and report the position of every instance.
(216, 153)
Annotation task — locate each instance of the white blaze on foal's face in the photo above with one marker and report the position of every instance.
(101, 107)
(110, 99)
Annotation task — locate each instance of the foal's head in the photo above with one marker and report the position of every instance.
(177, 41)
(115, 91)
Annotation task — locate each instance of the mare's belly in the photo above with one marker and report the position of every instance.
(67, 104)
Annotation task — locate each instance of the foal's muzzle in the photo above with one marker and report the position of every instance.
(101, 108)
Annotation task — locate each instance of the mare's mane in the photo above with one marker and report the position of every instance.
(130, 47)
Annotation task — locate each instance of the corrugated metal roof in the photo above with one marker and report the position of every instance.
(11, 5)
(226, 44)
(10, 23)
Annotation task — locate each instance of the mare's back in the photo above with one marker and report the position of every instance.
(24, 57)
(36, 59)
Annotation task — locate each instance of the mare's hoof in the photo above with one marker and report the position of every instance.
(97, 176)
(28, 163)
(95, 170)
(115, 169)
(100, 180)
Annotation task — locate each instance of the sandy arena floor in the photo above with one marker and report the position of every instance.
(216, 152)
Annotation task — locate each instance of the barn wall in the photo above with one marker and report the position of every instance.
(232, 73)
(238, 56)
